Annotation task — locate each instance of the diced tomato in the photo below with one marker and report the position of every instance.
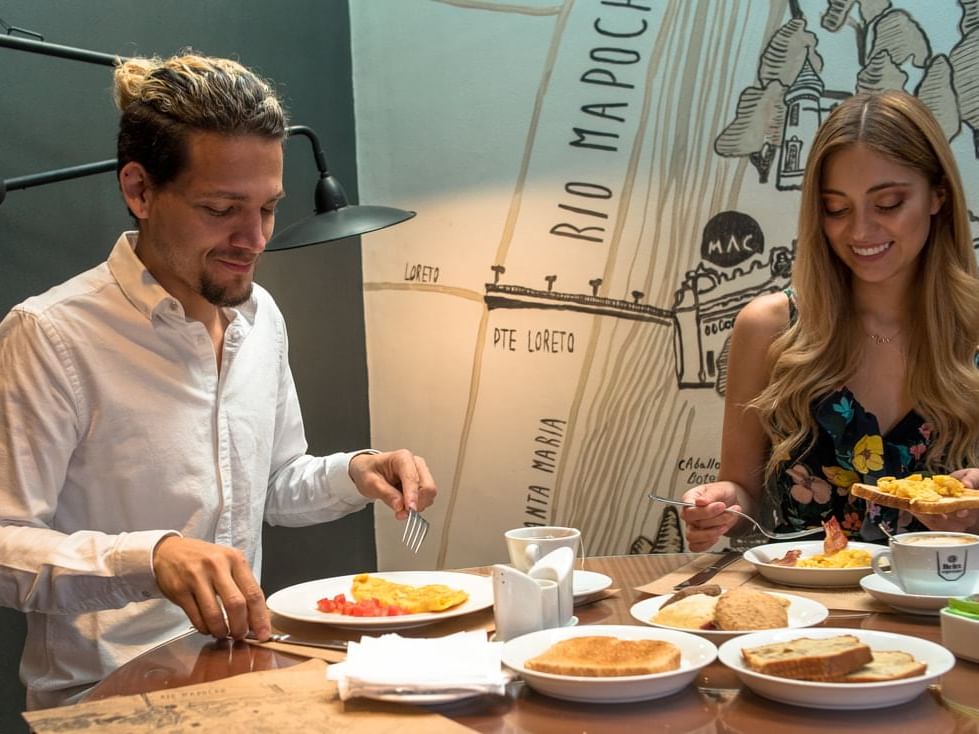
(366, 608)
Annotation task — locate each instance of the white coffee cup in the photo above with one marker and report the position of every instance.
(526, 546)
(932, 563)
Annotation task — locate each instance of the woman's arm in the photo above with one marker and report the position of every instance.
(744, 445)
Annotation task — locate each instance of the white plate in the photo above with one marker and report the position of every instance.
(695, 653)
(587, 583)
(839, 695)
(424, 699)
(299, 601)
(802, 612)
(892, 595)
(761, 557)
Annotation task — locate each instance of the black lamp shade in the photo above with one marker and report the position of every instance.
(336, 225)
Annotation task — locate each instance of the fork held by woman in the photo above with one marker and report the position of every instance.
(764, 531)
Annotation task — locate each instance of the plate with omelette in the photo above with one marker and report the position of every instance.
(425, 596)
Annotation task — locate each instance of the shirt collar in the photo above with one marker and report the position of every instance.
(145, 292)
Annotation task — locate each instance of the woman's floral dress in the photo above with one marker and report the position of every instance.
(849, 448)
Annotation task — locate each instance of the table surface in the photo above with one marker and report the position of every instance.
(715, 702)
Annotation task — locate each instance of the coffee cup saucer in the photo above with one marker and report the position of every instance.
(892, 595)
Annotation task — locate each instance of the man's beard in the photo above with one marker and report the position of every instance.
(222, 296)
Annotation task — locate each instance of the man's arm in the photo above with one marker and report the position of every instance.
(42, 569)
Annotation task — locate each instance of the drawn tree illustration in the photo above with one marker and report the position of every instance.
(964, 60)
(756, 131)
(888, 43)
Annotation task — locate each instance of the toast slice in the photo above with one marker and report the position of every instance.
(597, 656)
(928, 496)
(805, 658)
(886, 665)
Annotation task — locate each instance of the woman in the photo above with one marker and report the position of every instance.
(871, 354)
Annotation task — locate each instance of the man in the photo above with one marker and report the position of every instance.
(148, 417)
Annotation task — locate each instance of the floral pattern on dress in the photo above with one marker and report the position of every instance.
(848, 448)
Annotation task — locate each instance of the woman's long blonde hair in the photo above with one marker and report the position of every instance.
(821, 350)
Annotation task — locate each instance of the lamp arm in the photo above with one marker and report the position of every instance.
(58, 174)
(314, 140)
(54, 49)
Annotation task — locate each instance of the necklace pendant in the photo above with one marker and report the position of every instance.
(878, 339)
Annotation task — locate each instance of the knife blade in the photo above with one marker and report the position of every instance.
(293, 640)
(708, 572)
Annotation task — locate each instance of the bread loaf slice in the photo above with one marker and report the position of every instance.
(805, 658)
(886, 665)
(920, 502)
(596, 656)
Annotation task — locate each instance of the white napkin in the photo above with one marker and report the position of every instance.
(465, 662)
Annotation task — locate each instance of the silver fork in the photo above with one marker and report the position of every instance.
(416, 528)
(749, 518)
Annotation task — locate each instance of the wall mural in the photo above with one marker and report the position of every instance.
(601, 186)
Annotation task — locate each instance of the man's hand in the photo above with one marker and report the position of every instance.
(399, 479)
(201, 578)
(708, 521)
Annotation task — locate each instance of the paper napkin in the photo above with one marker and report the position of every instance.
(465, 662)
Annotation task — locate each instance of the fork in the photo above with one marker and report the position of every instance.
(749, 518)
(416, 528)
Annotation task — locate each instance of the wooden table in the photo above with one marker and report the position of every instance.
(716, 703)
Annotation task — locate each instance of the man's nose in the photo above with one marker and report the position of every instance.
(254, 233)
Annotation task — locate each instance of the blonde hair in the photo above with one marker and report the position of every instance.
(820, 351)
(163, 100)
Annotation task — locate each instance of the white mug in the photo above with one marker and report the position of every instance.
(522, 604)
(526, 546)
(932, 563)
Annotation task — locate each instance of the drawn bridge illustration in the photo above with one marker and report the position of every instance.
(702, 314)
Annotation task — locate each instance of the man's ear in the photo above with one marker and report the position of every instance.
(137, 189)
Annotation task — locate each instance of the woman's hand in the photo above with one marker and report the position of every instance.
(963, 521)
(708, 521)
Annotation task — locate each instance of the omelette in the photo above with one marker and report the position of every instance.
(412, 599)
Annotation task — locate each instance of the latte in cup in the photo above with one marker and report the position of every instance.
(931, 563)
(935, 540)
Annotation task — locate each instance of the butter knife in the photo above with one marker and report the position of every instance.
(707, 573)
(293, 640)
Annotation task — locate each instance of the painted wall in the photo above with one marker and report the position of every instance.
(601, 186)
(55, 113)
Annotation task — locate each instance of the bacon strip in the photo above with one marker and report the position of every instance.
(835, 539)
(788, 559)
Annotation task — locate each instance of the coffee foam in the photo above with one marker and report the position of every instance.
(937, 540)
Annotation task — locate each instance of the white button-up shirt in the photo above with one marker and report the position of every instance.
(117, 428)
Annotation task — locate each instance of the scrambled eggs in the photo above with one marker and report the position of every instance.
(846, 558)
(918, 489)
(412, 599)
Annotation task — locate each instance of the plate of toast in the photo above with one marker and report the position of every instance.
(718, 615)
(836, 668)
(608, 663)
(807, 564)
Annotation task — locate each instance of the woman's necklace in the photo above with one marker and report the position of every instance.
(878, 339)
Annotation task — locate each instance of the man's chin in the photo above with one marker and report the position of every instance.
(224, 296)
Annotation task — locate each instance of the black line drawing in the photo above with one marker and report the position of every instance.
(779, 114)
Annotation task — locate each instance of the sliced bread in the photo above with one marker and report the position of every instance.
(886, 665)
(597, 656)
(805, 658)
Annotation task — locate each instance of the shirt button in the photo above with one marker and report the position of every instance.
(147, 595)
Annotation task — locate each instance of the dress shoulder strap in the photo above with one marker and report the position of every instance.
(793, 308)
